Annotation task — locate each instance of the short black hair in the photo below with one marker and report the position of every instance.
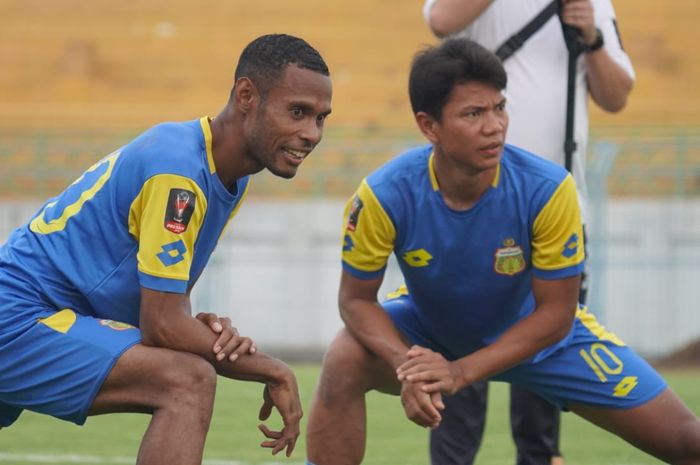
(265, 59)
(437, 69)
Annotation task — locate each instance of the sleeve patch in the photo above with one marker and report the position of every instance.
(179, 209)
(354, 214)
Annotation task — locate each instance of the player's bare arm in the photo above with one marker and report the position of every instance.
(370, 325)
(229, 343)
(367, 322)
(555, 308)
(166, 322)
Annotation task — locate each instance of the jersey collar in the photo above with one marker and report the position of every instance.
(206, 129)
(433, 177)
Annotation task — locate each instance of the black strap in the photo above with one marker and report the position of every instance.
(569, 141)
(573, 45)
(517, 40)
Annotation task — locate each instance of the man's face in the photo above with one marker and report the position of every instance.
(473, 127)
(289, 121)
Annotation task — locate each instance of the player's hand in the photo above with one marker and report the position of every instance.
(431, 370)
(284, 396)
(579, 14)
(421, 407)
(229, 343)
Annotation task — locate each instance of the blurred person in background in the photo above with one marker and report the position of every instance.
(95, 314)
(536, 61)
(488, 237)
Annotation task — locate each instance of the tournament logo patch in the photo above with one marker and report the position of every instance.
(116, 325)
(354, 216)
(509, 260)
(179, 210)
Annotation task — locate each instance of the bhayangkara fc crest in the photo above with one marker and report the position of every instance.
(509, 260)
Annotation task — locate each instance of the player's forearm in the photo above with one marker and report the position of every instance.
(165, 325)
(194, 337)
(257, 367)
(523, 340)
(370, 325)
(447, 17)
(608, 83)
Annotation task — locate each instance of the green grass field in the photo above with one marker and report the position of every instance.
(234, 438)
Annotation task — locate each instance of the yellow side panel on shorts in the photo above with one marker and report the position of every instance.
(591, 323)
(61, 321)
(557, 232)
(146, 224)
(401, 291)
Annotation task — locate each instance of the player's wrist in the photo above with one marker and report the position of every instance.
(397, 357)
(279, 374)
(594, 43)
(461, 375)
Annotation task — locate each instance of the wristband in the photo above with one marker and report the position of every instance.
(597, 43)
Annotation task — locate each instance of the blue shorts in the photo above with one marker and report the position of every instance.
(593, 368)
(54, 362)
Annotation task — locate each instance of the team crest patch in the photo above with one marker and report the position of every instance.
(179, 210)
(509, 260)
(354, 216)
(116, 325)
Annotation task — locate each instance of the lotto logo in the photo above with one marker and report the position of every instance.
(172, 253)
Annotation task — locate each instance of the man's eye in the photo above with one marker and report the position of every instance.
(297, 112)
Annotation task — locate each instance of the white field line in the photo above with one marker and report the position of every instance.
(101, 459)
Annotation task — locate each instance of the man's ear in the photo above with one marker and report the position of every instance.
(245, 94)
(428, 126)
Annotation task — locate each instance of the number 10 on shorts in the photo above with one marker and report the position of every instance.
(600, 359)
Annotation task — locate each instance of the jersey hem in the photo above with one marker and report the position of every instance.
(162, 285)
(364, 275)
(559, 274)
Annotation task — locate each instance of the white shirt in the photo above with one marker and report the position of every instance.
(537, 78)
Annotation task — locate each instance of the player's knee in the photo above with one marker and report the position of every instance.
(345, 367)
(200, 377)
(192, 380)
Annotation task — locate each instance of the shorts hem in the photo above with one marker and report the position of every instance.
(636, 403)
(83, 414)
(643, 400)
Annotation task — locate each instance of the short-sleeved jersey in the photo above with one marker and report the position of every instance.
(469, 272)
(148, 215)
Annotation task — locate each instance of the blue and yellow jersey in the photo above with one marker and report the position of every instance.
(469, 272)
(149, 214)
